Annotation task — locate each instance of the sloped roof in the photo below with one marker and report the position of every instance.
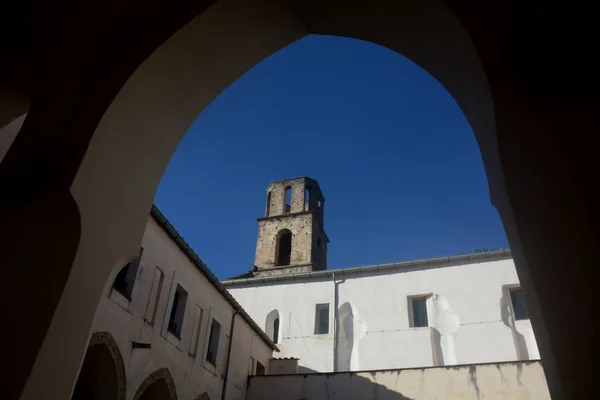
(169, 229)
(424, 262)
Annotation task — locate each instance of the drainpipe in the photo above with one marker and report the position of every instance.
(335, 316)
(224, 391)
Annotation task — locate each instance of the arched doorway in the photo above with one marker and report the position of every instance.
(102, 375)
(158, 385)
(139, 132)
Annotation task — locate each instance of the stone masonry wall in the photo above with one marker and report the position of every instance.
(301, 228)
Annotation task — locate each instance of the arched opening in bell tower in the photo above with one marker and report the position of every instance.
(283, 253)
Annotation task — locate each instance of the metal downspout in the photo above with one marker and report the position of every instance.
(335, 316)
(224, 391)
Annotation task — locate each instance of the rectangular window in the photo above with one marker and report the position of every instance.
(196, 330)
(126, 277)
(517, 299)
(260, 369)
(322, 319)
(419, 311)
(213, 342)
(154, 295)
(177, 312)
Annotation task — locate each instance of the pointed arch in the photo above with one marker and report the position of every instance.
(158, 385)
(102, 374)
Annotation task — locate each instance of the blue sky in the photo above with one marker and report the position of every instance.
(393, 153)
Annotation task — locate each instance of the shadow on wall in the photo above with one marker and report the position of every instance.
(508, 320)
(345, 386)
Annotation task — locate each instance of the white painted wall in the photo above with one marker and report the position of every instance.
(192, 374)
(467, 322)
(521, 380)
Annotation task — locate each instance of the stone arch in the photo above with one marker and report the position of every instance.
(96, 377)
(156, 386)
(126, 117)
(203, 396)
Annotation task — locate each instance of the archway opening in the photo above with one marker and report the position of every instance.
(137, 205)
(98, 379)
(157, 386)
(158, 390)
(284, 248)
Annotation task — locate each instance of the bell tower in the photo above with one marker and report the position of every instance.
(291, 237)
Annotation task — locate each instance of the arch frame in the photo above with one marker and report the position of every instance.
(161, 373)
(94, 266)
(105, 338)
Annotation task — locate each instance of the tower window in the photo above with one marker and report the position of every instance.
(322, 319)
(319, 241)
(418, 308)
(284, 248)
(126, 277)
(177, 311)
(288, 199)
(517, 299)
(307, 198)
(268, 203)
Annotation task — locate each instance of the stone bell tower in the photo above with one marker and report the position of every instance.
(291, 237)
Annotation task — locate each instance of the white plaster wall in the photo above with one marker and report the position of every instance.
(465, 316)
(192, 375)
(521, 380)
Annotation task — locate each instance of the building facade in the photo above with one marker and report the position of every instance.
(423, 313)
(167, 329)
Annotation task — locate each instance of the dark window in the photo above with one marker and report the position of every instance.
(288, 199)
(260, 369)
(268, 203)
(307, 198)
(319, 241)
(276, 331)
(518, 303)
(419, 312)
(177, 311)
(213, 342)
(126, 277)
(322, 319)
(284, 248)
